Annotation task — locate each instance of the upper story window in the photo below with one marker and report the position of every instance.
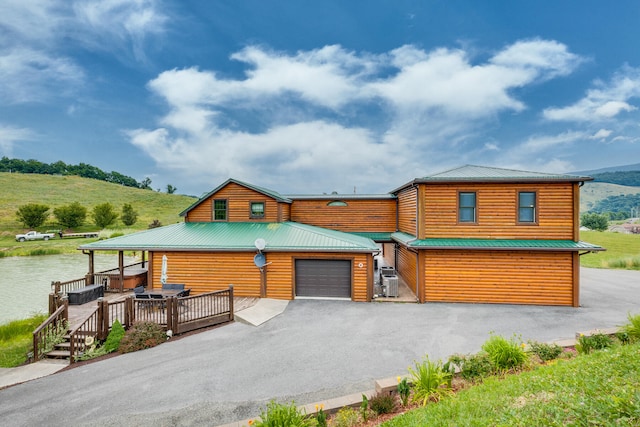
(527, 206)
(256, 209)
(337, 203)
(467, 207)
(220, 210)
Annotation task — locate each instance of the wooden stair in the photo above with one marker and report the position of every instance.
(61, 350)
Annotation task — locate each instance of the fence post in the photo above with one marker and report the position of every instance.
(103, 318)
(231, 303)
(65, 313)
(128, 310)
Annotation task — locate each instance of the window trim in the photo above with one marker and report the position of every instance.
(214, 210)
(264, 208)
(475, 207)
(535, 207)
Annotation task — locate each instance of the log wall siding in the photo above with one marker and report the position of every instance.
(212, 271)
(407, 267)
(389, 254)
(408, 210)
(209, 271)
(358, 215)
(497, 206)
(542, 278)
(238, 205)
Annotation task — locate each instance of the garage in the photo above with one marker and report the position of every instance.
(328, 278)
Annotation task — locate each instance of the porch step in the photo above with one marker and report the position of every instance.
(58, 354)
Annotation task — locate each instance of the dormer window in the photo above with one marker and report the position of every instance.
(256, 209)
(220, 210)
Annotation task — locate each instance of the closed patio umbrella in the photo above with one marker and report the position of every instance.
(163, 274)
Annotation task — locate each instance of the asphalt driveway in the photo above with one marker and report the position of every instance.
(313, 351)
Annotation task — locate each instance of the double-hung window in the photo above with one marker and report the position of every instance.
(467, 207)
(527, 207)
(256, 209)
(220, 210)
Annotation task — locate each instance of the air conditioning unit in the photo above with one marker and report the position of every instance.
(390, 286)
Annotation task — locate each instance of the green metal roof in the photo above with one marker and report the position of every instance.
(270, 193)
(385, 196)
(495, 244)
(237, 236)
(375, 236)
(472, 173)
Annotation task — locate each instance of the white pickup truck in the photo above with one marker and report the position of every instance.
(34, 235)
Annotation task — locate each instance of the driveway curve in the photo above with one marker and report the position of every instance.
(313, 351)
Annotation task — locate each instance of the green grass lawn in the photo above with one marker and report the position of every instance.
(602, 388)
(623, 250)
(16, 340)
(56, 191)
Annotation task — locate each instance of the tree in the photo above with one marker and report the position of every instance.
(146, 184)
(104, 215)
(33, 215)
(594, 221)
(171, 189)
(70, 216)
(129, 216)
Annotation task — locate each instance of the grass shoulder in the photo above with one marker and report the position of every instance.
(600, 386)
(16, 340)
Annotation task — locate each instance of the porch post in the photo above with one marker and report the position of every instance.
(89, 279)
(121, 268)
(144, 253)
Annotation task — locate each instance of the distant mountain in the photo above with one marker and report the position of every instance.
(624, 168)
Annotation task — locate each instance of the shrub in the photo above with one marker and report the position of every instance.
(70, 216)
(594, 221)
(545, 351)
(346, 417)
(599, 341)
(632, 329)
(382, 404)
(114, 338)
(403, 390)
(473, 366)
(142, 335)
(505, 354)
(155, 224)
(277, 414)
(128, 216)
(103, 215)
(33, 215)
(430, 381)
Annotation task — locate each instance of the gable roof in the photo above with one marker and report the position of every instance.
(269, 193)
(473, 173)
(237, 237)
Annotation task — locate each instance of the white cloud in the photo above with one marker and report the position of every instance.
(9, 135)
(604, 101)
(545, 142)
(402, 106)
(33, 76)
(602, 134)
(117, 23)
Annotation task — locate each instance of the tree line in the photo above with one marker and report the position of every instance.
(618, 207)
(629, 178)
(34, 215)
(82, 170)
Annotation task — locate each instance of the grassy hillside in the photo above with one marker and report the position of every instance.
(591, 192)
(623, 250)
(55, 191)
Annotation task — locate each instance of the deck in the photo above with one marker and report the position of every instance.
(79, 313)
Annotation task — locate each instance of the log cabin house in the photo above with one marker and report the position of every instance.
(471, 234)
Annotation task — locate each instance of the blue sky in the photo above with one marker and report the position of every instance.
(313, 97)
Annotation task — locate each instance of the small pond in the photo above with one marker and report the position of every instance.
(25, 282)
